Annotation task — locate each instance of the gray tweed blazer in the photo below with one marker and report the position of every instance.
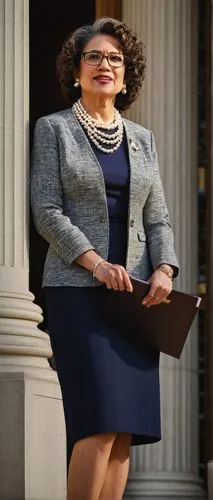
(69, 204)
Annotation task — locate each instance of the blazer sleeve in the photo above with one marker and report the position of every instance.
(46, 197)
(157, 222)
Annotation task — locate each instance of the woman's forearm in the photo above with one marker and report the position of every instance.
(88, 260)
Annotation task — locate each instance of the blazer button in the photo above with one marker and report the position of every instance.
(102, 219)
(132, 222)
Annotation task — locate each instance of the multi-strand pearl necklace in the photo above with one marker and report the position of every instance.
(95, 129)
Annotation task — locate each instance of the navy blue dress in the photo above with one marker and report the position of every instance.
(107, 383)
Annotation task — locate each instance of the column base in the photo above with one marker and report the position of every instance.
(23, 346)
(32, 439)
(164, 486)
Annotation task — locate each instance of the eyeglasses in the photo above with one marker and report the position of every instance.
(94, 58)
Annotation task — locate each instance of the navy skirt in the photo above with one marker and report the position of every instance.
(107, 383)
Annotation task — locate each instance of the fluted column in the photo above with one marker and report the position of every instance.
(22, 344)
(30, 398)
(168, 105)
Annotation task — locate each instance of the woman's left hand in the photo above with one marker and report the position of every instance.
(161, 286)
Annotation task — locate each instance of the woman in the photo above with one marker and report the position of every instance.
(98, 200)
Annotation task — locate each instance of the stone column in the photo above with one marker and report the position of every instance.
(32, 436)
(168, 106)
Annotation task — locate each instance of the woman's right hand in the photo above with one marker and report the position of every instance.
(114, 276)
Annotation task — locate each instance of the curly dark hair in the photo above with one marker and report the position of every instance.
(68, 61)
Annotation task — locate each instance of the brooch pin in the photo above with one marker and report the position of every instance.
(133, 145)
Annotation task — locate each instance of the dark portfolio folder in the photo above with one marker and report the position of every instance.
(163, 327)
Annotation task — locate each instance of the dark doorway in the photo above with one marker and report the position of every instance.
(50, 23)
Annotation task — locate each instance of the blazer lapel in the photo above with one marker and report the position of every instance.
(137, 161)
(85, 154)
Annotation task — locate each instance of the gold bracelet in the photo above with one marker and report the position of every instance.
(165, 270)
(96, 265)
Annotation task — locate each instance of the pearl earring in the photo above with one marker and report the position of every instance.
(124, 91)
(77, 83)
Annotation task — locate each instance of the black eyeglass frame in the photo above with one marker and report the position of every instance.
(102, 57)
